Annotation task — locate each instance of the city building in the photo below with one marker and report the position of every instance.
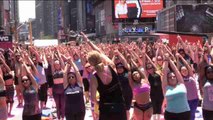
(191, 17)
(23, 33)
(47, 18)
(8, 15)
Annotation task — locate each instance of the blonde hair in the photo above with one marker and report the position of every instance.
(94, 58)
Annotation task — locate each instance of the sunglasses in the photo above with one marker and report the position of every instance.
(71, 77)
(210, 71)
(119, 67)
(25, 81)
(149, 68)
(88, 66)
(170, 77)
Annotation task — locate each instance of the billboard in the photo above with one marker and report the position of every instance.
(6, 41)
(132, 9)
(194, 18)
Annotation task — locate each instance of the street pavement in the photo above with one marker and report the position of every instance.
(17, 112)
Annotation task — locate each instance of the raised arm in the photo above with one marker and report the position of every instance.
(60, 59)
(104, 57)
(35, 70)
(185, 63)
(78, 75)
(67, 67)
(182, 43)
(123, 60)
(5, 64)
(93, 46)
(149, 59)
(32, 79)
(36, 54)
(176, 71)
(2, 83)
(164, 76)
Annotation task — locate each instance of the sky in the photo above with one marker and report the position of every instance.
(26, 10)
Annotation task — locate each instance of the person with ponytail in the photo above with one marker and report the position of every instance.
(105, 81)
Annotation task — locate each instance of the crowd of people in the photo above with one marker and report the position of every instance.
(153, 78)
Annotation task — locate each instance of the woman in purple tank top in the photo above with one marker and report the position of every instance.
(190, 83)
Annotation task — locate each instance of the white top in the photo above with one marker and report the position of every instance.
(120, 9)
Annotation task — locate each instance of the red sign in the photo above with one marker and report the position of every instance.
(137, 8)
(6, 41)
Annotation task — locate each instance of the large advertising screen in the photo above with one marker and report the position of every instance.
(194, 18)
(125, 9)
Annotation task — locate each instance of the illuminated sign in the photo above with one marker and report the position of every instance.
(124, 9)
(134, 30)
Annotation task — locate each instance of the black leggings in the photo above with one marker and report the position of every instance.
(60, 105)
(31, 117)
(76, 116)
(207, 115)
(177, 116)
(157, 103)
(86, 84)
(42, 92)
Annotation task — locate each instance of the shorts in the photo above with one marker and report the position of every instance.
(10, 91)
(42, 92)
(86, 84)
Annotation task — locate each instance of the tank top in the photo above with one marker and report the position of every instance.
(156, 86)
(7, 76)
(58, 74)
(208, 96)
(74, 99)
(191, 88)
(110, 93)
(31, 102)
(141, 89)
(176, 99)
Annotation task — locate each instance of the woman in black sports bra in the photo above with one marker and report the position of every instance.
(58, 88)
(105, 81)
(8, 79)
